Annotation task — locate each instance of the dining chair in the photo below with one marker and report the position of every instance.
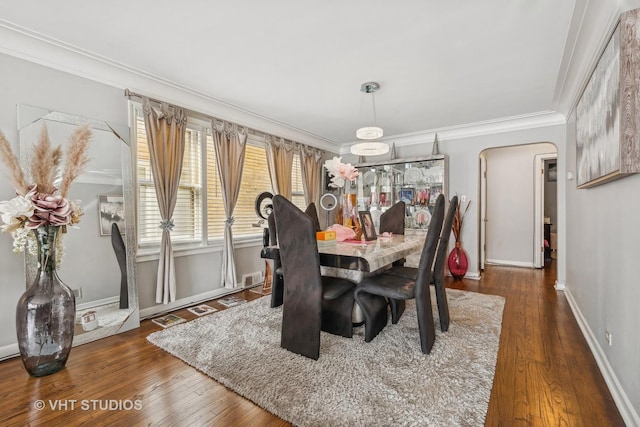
(277, 285)
(312, 302)
(401, 288)
(392, 220)
(437, 275)
(312, 212)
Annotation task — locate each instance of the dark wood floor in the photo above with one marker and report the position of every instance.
(545, 375)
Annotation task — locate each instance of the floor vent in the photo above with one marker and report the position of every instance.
(252, 279)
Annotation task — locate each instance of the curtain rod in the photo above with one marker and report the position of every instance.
(254, 132)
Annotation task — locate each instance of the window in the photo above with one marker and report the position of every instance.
(199, 214)
(297, 189)
(255, 180)
(187, 214)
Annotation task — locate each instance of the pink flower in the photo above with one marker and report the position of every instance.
(49, 209)
(340, 172)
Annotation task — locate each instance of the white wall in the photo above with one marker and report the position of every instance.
(510, 203)
(603, 241)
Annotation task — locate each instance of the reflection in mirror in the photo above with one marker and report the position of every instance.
(90, 265)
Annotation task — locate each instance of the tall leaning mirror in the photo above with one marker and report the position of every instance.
(97, 265)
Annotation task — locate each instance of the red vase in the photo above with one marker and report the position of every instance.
(458, 262)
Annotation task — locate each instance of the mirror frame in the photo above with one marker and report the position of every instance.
(28, 115)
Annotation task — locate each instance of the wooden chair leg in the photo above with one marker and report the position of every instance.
(397, 308)
(443, 305)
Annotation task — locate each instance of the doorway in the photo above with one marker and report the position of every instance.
(546, 208)
(512, 207)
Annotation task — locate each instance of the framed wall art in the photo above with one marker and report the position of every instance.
(607, 142)
(406, 195)
(110, 209)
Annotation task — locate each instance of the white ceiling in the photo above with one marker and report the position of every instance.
(439, 63)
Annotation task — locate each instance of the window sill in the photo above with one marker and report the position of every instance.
(153, 254)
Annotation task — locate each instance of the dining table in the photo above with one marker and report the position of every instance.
(358, 259)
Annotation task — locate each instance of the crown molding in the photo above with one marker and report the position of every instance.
(34, 47)
(591, 33)
(488, 127)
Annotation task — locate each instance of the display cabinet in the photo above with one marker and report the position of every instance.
(417, 181)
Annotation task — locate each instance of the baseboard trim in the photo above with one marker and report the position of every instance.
(148, 312)
(509, 263)
(9, 351)
(628, 413)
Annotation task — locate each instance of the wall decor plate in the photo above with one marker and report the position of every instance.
(422, 217)
(412, 176)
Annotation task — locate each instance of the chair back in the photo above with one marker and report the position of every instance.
(443, 245)
(423, 278)
(273, 233)
(312, 212)
(302, 308)
(392, 220)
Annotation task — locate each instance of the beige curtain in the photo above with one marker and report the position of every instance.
(165, 136)
(311, 167)
(279, 159)
(230, 144)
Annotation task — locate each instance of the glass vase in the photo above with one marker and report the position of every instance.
(458, 262)
(45, 314)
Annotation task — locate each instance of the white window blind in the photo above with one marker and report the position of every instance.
(297, 189)
(187, 216)
(215, 204)
(255, 180)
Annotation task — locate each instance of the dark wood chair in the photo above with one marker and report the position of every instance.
(392, 220)
(312, 212)
(277, 285)
(312, 302)
(400, 288)
(437, 275)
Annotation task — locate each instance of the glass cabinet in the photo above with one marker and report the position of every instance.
(416, 181)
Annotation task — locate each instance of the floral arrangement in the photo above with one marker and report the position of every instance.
(41, 190)
(340, 172)
(456, 227)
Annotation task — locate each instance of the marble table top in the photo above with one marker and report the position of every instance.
(366, 257)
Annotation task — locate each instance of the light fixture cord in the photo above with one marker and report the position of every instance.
(375, 116)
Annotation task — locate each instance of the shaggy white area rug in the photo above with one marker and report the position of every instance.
(385, 382)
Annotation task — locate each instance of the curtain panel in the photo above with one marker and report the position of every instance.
(230, 143)
(166, 140)
(279, 159)
(311, 167)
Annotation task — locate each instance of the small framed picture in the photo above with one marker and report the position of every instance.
(368, 230)
(110, 209)
(406, 195)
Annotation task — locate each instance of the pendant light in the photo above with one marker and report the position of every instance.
(369, 147)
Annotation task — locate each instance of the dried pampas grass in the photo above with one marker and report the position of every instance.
(16, 176)
(45, 162)
(76, 157)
